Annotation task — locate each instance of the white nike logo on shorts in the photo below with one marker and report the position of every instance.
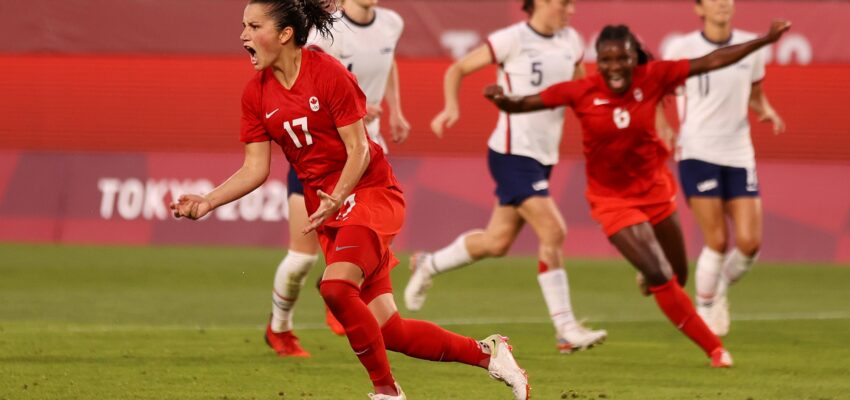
(338, 248)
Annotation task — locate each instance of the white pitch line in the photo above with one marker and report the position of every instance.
(793, 316)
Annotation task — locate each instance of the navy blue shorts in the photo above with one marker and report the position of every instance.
(704, 179)
(293, 185)
(518, 177)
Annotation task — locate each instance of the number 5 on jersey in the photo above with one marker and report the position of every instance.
(302, 122)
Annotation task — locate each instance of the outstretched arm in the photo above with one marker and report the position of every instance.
(513, 104)
(729, 55)
(252, 174)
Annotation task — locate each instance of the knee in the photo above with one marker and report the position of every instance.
(336, 292)
(395, 338)
(716, 240)
(498, 246)
(554, 235)
(296, 265)
(656, 277)
(748, 244)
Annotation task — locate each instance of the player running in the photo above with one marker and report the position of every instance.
(523, 149)
(717, 166)
(629, 187)
(364, 40)
(311, 106)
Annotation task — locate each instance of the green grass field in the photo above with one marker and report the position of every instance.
(187, 323)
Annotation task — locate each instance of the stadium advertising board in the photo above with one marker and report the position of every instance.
(122, 199)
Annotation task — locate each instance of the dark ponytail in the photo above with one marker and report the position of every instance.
(302, 16)
(622, 33)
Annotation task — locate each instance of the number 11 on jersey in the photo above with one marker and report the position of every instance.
(302, 122)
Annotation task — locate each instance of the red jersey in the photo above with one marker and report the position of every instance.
(625, 159)
(304, 119)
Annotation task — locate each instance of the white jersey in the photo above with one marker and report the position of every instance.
(368, 51)
(528, 63)
(713, 106)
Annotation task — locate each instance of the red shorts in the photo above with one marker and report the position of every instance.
(614, 217)
(361, 234)
(654, 202)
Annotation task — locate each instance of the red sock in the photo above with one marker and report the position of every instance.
(677, 306)
(427, 341)
(361, 328)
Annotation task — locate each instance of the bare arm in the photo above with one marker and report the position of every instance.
(729, 55)
(580, 71)
(399, 127)
(357, 151)
(252, 174)
(478, 58)
(513, 104)
(662, 126)
(763, 110)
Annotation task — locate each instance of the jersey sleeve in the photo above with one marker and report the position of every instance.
(577, 44)
(346, 101)
(561, 94)
(251, 127)
(673, 50)
(502, 44)
(670, 74)
(397, 22)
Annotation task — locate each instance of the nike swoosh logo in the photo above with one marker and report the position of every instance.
(338, 248)
(599, 102)
(269, 115)
(361, 352)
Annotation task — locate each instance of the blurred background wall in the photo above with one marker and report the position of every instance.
(110, 108)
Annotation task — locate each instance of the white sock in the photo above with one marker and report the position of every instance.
(709, 266)
(452, 256)
(288, 281)
(556, 292)
(734, 267)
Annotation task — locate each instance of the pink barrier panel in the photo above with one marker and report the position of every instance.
(121, 198)
(434, 28)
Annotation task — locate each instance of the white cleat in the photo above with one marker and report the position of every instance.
(504, 368)
(388, 397)
(580, 338)
(420, 281)
(718, 320)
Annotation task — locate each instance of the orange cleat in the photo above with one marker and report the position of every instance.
(720, 358)
(285, 344)
(333, 323)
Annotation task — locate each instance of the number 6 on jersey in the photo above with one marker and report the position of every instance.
(622, 118)
(302, 122)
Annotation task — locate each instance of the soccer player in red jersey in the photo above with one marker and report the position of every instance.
(311, 106)
(365, 37)
(630, 189)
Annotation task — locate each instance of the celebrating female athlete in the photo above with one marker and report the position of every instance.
(630, 190)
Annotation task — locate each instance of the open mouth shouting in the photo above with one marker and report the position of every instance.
(253, 54)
